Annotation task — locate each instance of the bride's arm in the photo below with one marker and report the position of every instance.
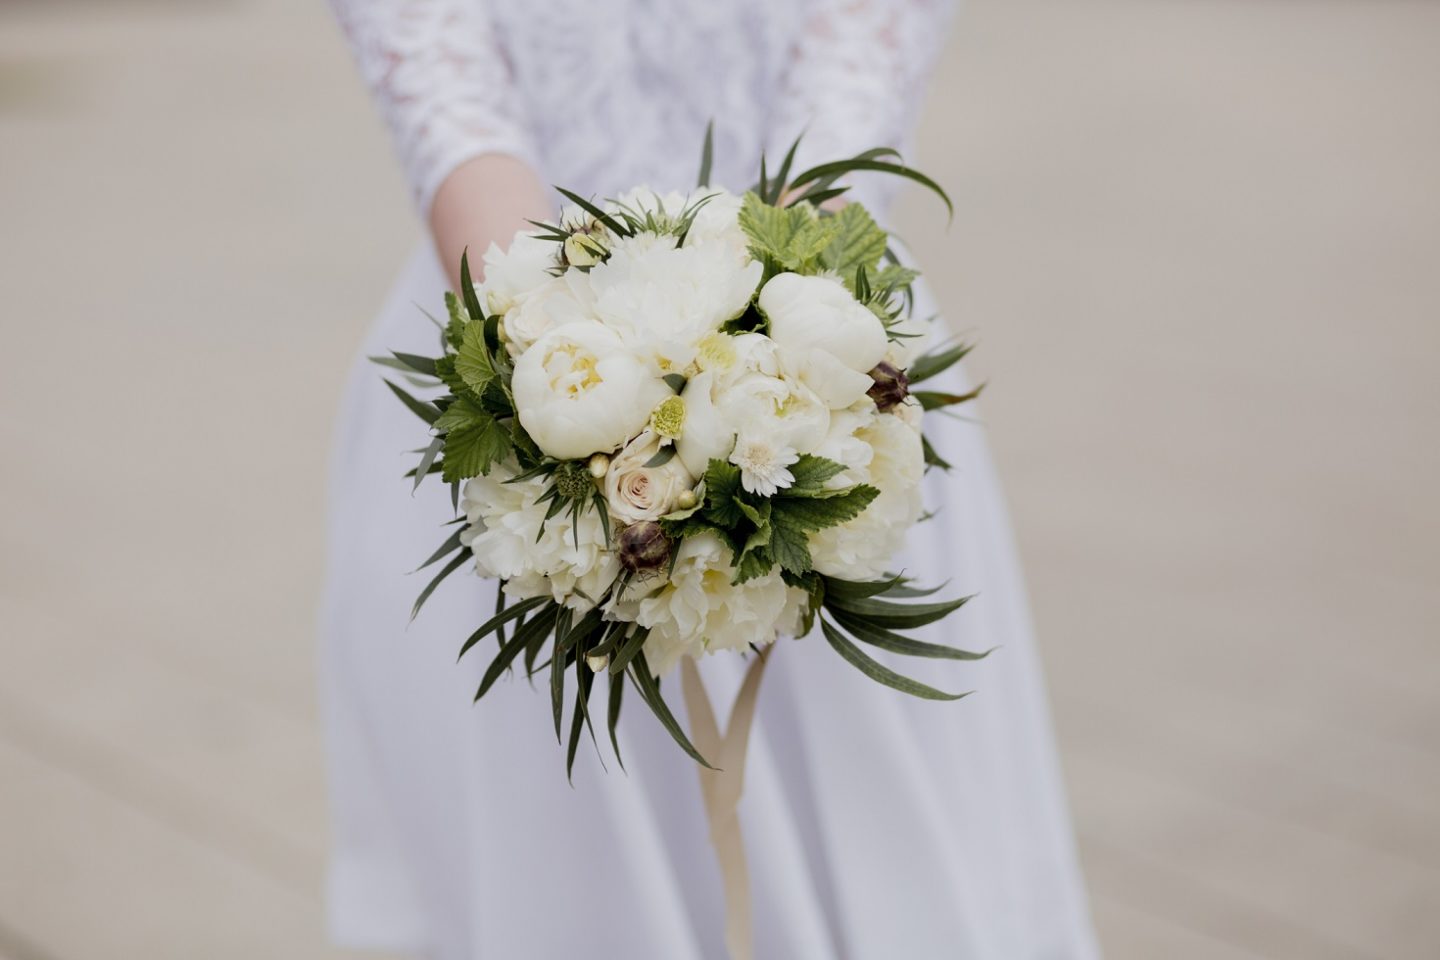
(443, 85)
(856, 80)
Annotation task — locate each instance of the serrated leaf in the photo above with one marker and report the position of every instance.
(857, 243)
(474, 440)
(811, 473)
(473, 362)
(722, 487)
(878, 671)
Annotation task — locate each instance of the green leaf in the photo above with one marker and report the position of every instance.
(421, 365)
(811, 473)
(501, 663)
(613, 225)
(788, 236)
(474, 440)
(448, 569)
(676, 381)
(817, 513)
(558, 662)
(860, 589)
(425, 411)
(722, 487)
(858, 243)
(662, 457)
(902, 616)
(535, 630)
(473, 362)
(427, 460)
(933, 400)
(584, 682)
(650, 693)
(612, 715)
(458, 318)
(500, 619)
(628, 649)
(451, 544)
(842, 167)
(937, 362)
(467, 288)
(898, 643)
(707, 159)
(933, 458)
(878, 671)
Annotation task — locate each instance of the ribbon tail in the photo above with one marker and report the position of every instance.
(721, 790)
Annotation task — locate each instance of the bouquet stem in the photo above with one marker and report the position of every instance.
(721, 789)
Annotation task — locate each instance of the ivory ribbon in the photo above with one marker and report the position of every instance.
(721, 789)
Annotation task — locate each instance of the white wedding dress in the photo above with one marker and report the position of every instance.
(879, 827)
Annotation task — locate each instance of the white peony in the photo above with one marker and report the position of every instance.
(579, 391)
(516, 272)
(862, 548)
(766, 411)
(700, 611)
(635, 492)
(663, 299)
(504, 522)
(558, 301)
(819, 313)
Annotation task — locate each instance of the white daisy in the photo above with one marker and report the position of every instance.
(763, 465)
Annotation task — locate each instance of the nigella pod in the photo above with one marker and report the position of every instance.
(890, 388)
(644, 547)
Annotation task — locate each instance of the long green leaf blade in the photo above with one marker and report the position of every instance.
(500, 619)
(879, 672)
(650, 693)
(898, 643)
(425, 411)
(449, 568)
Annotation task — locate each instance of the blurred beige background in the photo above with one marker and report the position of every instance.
(1198, 239)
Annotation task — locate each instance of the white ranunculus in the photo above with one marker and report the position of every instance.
(560, 300)
(700, 611)
(512, 539)
(663, 299)
(516, 272)
(818, 312)
(862, 548)
(635, 492)
(579, 391)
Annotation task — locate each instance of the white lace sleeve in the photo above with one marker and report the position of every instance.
(856, 80)
(441, 80)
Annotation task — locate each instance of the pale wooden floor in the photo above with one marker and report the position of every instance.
(1198, 240)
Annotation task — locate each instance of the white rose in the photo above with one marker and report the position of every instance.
(555, 303)
(635, 492)
(818, 312)
(514, 273)
(578, 391)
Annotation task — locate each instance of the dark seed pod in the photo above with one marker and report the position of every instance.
(890, 388)
(644, 547)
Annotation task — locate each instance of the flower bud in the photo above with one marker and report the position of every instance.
(586, 245)
(599, 465)
(686, 500)
(890, 388)
(644, 547)
(574, 481)
(596, 663)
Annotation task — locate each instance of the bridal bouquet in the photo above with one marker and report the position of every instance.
(684, 424)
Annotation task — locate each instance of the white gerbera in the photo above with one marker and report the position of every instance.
(764, 464)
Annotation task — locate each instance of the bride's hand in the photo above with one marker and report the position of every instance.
(485, 200)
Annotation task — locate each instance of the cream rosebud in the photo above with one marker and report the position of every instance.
(635, 492)
(596, 663)
(819, 313)
(599, 465)
(686, 500)
(578, 391)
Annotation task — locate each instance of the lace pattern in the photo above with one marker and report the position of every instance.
(600, 96)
